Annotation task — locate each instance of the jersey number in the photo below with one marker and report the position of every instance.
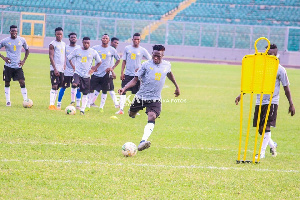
(103, 56)
(15, 48)
(157, 76)
(83, 59)
(133, 56)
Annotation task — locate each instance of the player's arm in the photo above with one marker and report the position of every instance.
(51, 57)
(116, 64)
(122, 70)
(6, 59)
(289, 98)
(70, 57)
(128, 85)
(22, 62)
(171, 76)
(98, 61)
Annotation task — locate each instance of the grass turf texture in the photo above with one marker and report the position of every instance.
(47, 154)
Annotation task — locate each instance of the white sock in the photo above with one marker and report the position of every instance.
(84, 102)
(73, 94)
(24, 93)
(78, 102)
(265, 143)
(147, 131)
(113, 97)
(52, 97)
(56, 91)
(122, 101)
(271, 142)
(103, 99)
(94, 96)
(58, 104)
(7, 94)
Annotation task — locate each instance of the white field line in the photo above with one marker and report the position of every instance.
(163, 147)
(153, 166)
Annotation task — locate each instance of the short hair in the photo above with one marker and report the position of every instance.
(12, 26)
(159, 47)
(86, 38)
(136, 34)
(272, 46)
(105, 34)
(59, 29)
(72, 34)
(114, 38)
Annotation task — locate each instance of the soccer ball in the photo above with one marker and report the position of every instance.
(70, 110)
(28, 103)
(129, 149)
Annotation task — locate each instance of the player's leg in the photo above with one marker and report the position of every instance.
(123, 96)
(66, 83)
(53, 91)
(153, 110)
(112, 93)
(104, 87)
(135, 89)
(85, 89)
(74, 88)
(19, 75)
(95, 90)
(78, 99)
(7, 75)
(7, 93)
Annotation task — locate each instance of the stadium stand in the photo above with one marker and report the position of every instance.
(191, 26)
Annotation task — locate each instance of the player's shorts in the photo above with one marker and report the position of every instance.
(272, 115)
(12, 73)
(57, 80)
(133, 89)
(82, 83)
(67, 81)
(100, 83)
(151, 106)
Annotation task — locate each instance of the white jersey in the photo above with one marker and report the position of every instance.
(280, 77)
(69, 71)
(84, 60)
(59, 55)
(133, 57)
(13, 49)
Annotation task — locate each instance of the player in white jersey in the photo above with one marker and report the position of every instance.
(68, 75)
(13, 63)
(283, 78)
(83, 69)
(100, 79)
(57, 55)
(132, 58)
(152, 74)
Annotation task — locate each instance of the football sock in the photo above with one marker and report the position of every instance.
(78, 102)
(148, 130)
(94, 96)
(113, 97)
(271, 142)
(73, 94)
(7, 94)
(84, 102)
(103, 99)
(122, 102)
(61, 94)
(265, 142)
(24, 93)
(52, 97)
(78, 94)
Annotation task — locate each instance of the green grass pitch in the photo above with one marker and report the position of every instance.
(49, 155)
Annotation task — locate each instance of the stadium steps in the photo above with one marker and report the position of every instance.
(166, 17)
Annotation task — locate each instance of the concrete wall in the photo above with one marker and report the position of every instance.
(200, 53)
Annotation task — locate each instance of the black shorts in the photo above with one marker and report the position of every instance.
(67, 81)
(12, 73)
(272, 115)
(111, 84)
(100, 83)
(135, 88)
(151, 106)
(57, 80)
(82, 83)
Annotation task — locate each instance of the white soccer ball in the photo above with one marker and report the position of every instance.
(70, 110)
(28, 103)
(129, 149)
